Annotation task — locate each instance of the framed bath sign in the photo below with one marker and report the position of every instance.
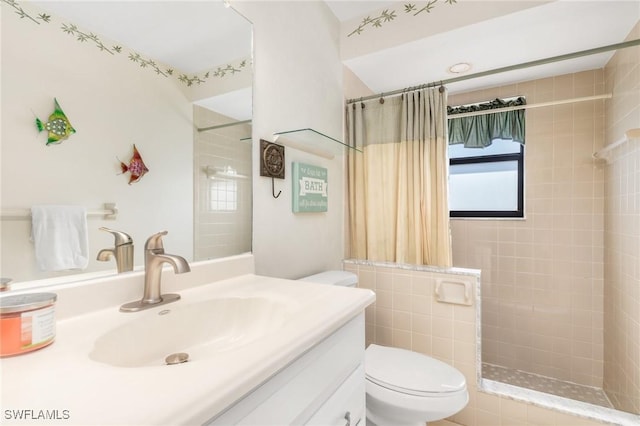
(309, 188)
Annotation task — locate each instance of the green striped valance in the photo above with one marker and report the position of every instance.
(479, 131)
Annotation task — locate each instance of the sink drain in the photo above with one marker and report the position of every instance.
(177, 358)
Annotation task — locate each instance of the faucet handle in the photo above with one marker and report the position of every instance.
(121, 237)
(154, 242)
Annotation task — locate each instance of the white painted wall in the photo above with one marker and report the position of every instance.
(113, 104)
(297, 84)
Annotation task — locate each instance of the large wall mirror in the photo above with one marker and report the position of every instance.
(174, 79)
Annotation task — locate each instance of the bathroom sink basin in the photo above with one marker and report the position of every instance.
(198, 329)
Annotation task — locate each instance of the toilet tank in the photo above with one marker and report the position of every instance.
(341, 278)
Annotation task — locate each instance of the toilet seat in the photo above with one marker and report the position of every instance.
(411, 373)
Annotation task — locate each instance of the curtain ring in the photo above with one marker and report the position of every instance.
(381, 98)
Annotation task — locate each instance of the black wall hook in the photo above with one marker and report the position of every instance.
(273, 188)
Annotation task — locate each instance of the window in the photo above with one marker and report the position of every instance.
(224, 195)
(487, 182)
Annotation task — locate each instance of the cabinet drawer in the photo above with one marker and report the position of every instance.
(346, 407)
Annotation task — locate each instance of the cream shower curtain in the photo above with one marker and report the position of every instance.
(397, 186)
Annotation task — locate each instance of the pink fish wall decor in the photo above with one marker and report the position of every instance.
(136, 166)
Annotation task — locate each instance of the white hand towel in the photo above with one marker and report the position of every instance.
(60, 237)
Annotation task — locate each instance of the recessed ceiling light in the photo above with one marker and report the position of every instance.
(459, 68)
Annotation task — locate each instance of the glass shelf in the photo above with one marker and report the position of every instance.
(312, 141)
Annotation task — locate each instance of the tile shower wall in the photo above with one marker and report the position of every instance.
(622, 232)
(542, 277)
(222, 206)
(406, 315)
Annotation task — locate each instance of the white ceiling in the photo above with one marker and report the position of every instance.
(349, 9)
(409, 50)
(235, 104)
(412, 50)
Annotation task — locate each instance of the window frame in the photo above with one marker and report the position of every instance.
(491, 214)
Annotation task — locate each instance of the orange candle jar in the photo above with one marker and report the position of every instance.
(27, 322)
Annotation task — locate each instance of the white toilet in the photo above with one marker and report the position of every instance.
(404, 387)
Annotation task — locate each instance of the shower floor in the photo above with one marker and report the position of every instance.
(544, 384)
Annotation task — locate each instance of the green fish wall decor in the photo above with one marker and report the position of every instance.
(58, 125)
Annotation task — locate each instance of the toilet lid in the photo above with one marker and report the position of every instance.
(339, 278)
(410, 372)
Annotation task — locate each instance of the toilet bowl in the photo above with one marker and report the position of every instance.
(404, 387)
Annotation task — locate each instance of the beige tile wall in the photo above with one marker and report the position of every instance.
(542, 283)
(406, 315)
(220, 234)
(622, 232)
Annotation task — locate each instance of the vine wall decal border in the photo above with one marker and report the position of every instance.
(84, 37)
(388, 16)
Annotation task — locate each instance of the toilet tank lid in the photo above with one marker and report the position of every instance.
(341, 278)
(411, 372)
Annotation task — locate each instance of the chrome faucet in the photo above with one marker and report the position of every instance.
(122, 251)
(154, 258)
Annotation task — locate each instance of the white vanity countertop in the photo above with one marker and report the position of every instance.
(63, 376)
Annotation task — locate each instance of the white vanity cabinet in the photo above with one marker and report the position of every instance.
(323, 386)
(300, 361)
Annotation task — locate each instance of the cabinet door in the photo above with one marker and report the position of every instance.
(296, 393)
(346, 407)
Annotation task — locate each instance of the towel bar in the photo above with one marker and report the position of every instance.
(110, 211)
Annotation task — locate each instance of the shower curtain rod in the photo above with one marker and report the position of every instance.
(220, 126)
(529, 64)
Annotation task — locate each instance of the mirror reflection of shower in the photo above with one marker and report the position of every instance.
(222, 178)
